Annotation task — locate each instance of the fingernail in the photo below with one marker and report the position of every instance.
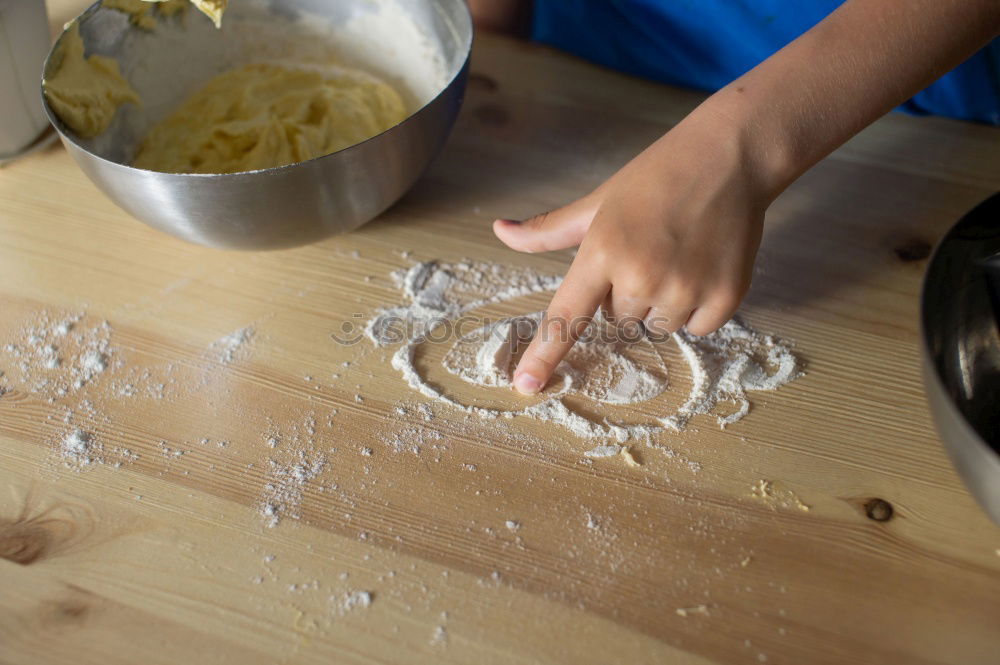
(527, 384)
(510, 222)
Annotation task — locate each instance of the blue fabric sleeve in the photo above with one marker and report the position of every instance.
(705, 44)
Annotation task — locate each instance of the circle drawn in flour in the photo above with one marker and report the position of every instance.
(603, 370)
(724, 365)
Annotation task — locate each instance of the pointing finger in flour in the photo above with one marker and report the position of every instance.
(567, 317)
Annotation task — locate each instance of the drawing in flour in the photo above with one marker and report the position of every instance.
(599, 369)
(723, 365)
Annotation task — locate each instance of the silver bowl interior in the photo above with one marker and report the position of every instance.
(421, 47)
(417, 46)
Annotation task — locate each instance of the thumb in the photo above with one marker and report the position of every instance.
(558, 229)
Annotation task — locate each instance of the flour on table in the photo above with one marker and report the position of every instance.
(287, 483)
(414, 439)
(603, 370)
(439, 637)
(65, 356)
(226, 349)
(603, 451)
(723, 366)
(79, 447)
(438, 292)
(352, 600)
(56, 356)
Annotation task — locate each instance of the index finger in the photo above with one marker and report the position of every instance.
(567, 317)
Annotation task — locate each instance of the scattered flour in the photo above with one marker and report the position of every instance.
(603, 451)
(226, 349)
(605, 371)
(60, 356)
(353, 600)
(56, 356)
(287, 483)
(413, 439)
(592, 522)
(723, 365)
(439, 637)
(73, 349)
(80, 448)
(439, 292)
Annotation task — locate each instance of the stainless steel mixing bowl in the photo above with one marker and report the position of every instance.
(960, 317)
(277, 207)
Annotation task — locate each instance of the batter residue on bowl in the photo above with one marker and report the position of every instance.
(86, 92)
(213, 9)
(141, 12)
(141, 9)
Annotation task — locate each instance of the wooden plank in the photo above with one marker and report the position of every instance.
(168, 557)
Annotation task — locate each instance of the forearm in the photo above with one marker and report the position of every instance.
(509, 16)
(857, 64)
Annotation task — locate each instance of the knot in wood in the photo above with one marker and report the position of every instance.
(22, 543)
(879, 510)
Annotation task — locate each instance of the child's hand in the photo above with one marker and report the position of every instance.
(669, 240)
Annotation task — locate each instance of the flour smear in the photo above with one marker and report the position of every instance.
(723, 366)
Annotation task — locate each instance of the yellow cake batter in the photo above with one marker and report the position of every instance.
(213, 9)
(141, 12)
(85, 92)
(265, 115)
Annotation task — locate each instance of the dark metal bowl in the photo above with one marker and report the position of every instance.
(960, 321)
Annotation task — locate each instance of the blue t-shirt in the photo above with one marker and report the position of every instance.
(706, 44)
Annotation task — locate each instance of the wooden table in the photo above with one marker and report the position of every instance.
(167, 559)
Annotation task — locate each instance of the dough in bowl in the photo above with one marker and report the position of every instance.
(265, 115)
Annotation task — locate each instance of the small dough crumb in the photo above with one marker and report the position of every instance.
(630, 459)
(766, 491)
(689, 611)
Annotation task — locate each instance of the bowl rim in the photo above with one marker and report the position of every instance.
(68, 135)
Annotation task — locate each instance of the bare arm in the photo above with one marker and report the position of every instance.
(671, 238)
(510, 16)
(864, 59)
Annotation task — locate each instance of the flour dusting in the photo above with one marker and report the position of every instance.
(79, 447)
(59, 355)
(603, 451)
(352, 600)
(603, 370)
(723, 366)
(283, 493)
(227, 349)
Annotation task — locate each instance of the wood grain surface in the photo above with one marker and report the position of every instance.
(167, 558)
